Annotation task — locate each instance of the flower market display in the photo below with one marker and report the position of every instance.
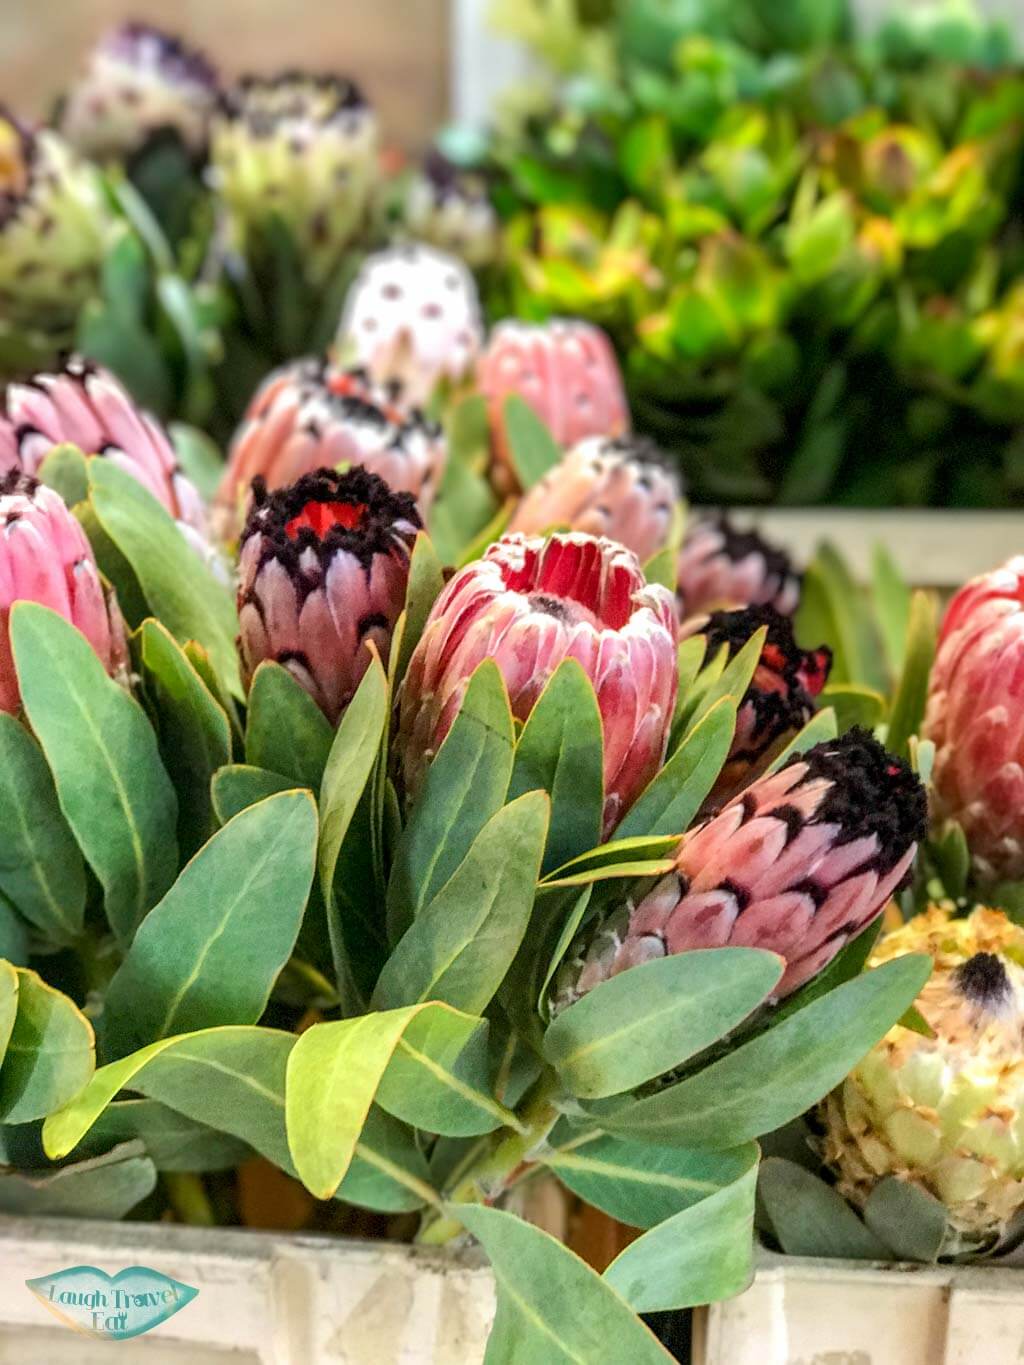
(408, 800)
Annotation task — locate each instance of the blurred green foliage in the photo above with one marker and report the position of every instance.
(806, 242)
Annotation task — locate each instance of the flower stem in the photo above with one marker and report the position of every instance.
(492, 1166)
(188, 1198)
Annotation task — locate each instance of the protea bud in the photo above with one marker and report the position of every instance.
(798, 863)
(529, 604)
(451, 209)
(780, 698)
(139, 81)
(45, 557)
(323, 572)
(721, 568)
(300, 149)
(54, 229)
(615, 487)
(308, 415)
(565, 369)
(412, 317)
(945, 1113)
(974, 718)
(84, 404)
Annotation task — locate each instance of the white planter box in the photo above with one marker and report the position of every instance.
(807, 1312)
(264, 1298)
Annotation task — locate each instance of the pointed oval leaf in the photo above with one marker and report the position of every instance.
(648, 1020)
(538, 1279)
(560, 751)
(811, 1218)
(179, 588)
(700, 1255)
(112, 787)
(642, 1185)
(286, 732)
(533, 449)
(106, 1186)
(819, 730)
(908, 704)
(172, 1141)
(464, 941)
(192, 730)
(50, 1053)
(386, 1168)
(210, 952)
(41, 869)
(465, 785)
(426, 580)
(769, 1080)
(675, 795)
(239, 786)
(912, 1222)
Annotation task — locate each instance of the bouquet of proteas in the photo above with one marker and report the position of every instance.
(420, 882)
(918, 1154)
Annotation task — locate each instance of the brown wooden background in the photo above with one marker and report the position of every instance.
(396, 49)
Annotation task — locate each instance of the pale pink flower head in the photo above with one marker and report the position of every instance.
(412, 317)
(721, 568)
(975, 717)
(45, 558)
(308, 415)
(323, 574)
(565, 369)
(618, 487)
(85, 406)
(528, 604)
(797, 864)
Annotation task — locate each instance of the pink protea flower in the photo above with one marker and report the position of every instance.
(307, 415)
(45, 557)
(565, 369)
(975, 717)
(780, 698)
(323, 573)
(412, 316)
(798, 864)
(529, 604)
(721, 567)
(616, 487)
(84, 404)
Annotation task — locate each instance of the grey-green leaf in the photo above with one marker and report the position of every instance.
(811, 1218)
(107, 1186)
(675, 795)
(50, 1053)
(910, 1220)
(286, 732)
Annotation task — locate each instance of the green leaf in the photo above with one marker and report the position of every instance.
(853, 705)
(911, 1221)
(192, 731)
(172, 1141)
(464, 506)
(675, 795)
(538, 1279)
(112, 787)
(465, 785)
(912, 691)
(210, 952)
(560, 751)
(699, 1255)
(691, 661)
(604, 872)
(107, 1186)
(333, 1075)
(180, 589)
(41, 869)
(811, 1218)
(833, 611)
(286, 732)
(9, 988)
(50, 1053)
(438, 1078)
(464, 941)
(229, 1078)
(389, 1172)
(65, 471)
(642, 848)
(769, 1080)
(648, 1020)
(426, 580)
(733, 681)
(641, 1185)
(238, 786)
(199, 457)
(819, 730)
(532, 447)
(951, 854)
(891, 598)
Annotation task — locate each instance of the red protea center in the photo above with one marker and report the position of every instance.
(326, 512)
(575, 578)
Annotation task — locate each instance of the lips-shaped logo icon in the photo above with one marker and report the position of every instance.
(114, 1307)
